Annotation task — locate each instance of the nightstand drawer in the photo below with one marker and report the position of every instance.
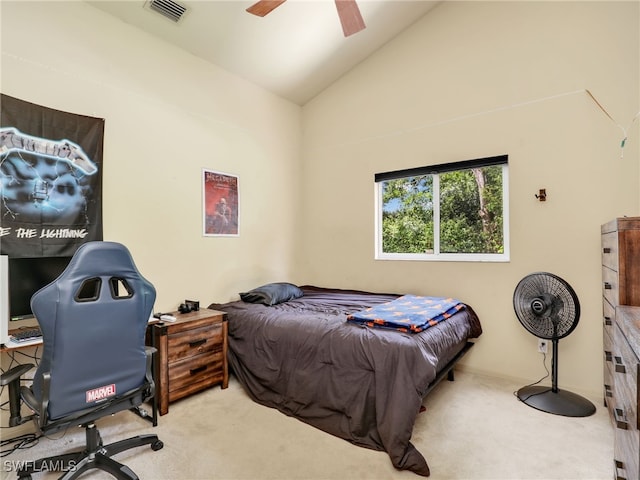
(194, 370)
(194, 342)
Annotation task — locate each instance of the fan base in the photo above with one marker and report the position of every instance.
(560, 402)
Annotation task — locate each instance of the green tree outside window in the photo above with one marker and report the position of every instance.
(468, 212)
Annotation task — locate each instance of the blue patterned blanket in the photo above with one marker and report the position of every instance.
(409, 313)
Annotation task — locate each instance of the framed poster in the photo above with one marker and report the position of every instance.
(220, 204)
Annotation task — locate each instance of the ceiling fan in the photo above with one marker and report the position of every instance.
(348, 11)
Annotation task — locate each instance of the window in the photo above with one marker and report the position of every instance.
(455, 211)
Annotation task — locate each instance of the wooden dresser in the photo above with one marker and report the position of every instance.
(621, 288)
(626, 393)
(192, 354)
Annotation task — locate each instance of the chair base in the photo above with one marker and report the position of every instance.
(94, 456)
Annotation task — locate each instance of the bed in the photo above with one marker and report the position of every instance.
(299, 354)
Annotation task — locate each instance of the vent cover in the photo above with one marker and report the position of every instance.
(170, 9)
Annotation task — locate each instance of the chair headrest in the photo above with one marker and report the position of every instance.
(100, 259)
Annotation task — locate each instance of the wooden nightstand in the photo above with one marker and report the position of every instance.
(192, 354)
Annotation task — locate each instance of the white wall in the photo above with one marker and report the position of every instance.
(471, 80)
(168, 115)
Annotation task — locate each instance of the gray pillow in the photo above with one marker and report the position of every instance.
(272, 293)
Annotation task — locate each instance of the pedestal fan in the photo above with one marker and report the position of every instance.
(548, 307)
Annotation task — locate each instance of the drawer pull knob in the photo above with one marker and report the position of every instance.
(620, 368)
(607, 356)
(618, 465)
(607, 391)
(202, 368)
(606, 250)
(607, 321)
(197, 343)
(621, 421)
(607, 286)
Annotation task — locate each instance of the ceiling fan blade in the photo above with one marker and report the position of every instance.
(264, 7)
(350, 17)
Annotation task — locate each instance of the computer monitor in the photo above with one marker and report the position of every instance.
(26, 277)
(20, 278)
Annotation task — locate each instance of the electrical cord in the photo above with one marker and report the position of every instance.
(18, 443)
(544, 364)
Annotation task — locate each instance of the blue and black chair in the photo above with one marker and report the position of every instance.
(94, 363)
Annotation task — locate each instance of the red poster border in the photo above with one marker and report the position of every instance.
(220, 202)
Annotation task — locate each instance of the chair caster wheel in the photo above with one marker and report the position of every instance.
(157, 445)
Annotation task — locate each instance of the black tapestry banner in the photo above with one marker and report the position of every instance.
(50, 179)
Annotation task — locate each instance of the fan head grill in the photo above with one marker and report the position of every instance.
(546, 305)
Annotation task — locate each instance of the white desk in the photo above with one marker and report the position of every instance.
(11, 345)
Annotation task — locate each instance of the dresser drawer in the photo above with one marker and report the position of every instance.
(609, 399)
(625, 367)
(610, 250)
(608, 316)
(195, 341)
(195, 373)
(625, 410)
(625, 454)
(610, 286)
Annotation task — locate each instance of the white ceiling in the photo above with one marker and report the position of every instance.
(296, 51)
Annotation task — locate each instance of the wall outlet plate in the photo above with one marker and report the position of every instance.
(543, 345)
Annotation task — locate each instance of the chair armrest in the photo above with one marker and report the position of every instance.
(149, 352)
(15, 373)
(38, 406)
(30, 399)
(12, 378)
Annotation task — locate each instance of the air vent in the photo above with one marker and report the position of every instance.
(170, 9)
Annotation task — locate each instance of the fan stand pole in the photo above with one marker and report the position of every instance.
(554, 366)
(554, 400)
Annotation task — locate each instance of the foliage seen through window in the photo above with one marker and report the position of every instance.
(452, 212)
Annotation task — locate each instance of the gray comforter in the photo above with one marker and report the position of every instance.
(361, 384)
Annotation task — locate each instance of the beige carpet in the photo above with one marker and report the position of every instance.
(473, 428)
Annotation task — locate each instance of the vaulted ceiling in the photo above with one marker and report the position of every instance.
(295, 51)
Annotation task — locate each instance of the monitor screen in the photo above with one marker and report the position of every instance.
(26, 277)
